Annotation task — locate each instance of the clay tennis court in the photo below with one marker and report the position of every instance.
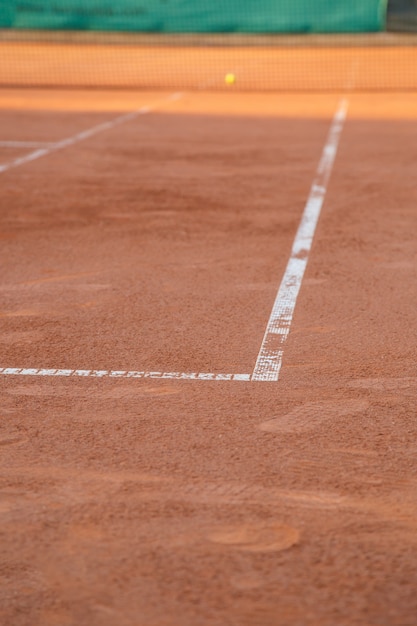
(208, 365)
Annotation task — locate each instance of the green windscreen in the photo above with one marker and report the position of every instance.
(197, 16)
(274, 45)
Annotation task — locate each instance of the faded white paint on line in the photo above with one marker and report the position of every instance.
(85, 134)
(269, 361)
(20, 371)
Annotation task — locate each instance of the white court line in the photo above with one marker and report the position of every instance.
(269, 361)
(20, 371)
(86, 134)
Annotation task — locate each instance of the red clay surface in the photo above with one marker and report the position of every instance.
(160, 245)
(364, 64)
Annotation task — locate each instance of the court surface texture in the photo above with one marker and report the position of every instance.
(208, 358)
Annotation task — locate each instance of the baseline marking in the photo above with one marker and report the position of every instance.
(20, 371)
(85, 134)
(269, 361)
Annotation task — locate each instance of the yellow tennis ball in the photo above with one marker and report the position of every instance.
(230, 79)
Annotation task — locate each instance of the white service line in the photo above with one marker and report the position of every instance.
(85, 134)
(269, 361)
(20, 371)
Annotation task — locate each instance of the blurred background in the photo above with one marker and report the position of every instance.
(321, 45)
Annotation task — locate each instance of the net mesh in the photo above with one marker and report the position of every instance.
(313, 61)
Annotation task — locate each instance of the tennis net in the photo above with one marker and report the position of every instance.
(295, 45)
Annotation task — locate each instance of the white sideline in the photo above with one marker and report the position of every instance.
(269, 361)
(85, 134)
